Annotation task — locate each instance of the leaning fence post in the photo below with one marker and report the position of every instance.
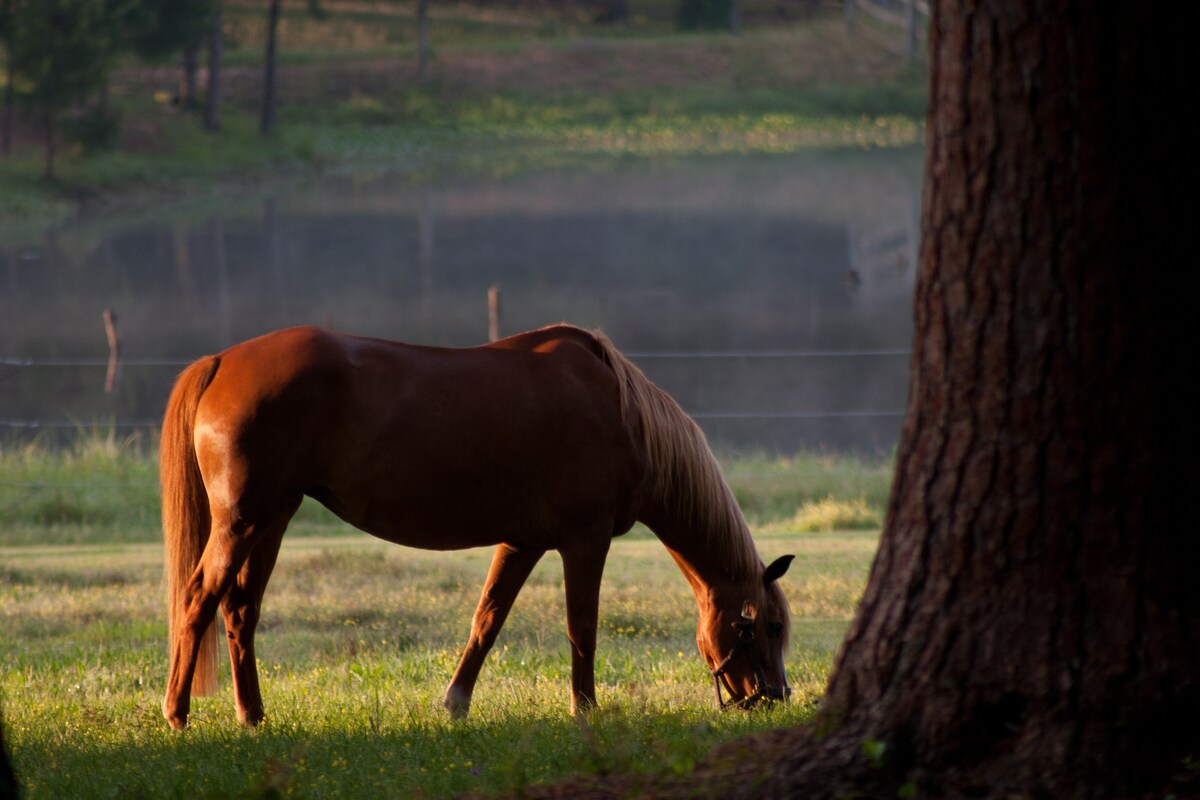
(493, 313)
(114, 352)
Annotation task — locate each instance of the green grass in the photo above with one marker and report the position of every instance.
(104, 490)
(358, 640)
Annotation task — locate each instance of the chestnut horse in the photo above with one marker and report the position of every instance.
(547, 440)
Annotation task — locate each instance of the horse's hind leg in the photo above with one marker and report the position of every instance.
(223, 557)
(241, 610)
(510, 569)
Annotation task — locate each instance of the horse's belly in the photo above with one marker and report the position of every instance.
(454, 514)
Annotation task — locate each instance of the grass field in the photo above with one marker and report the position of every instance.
(359, 638)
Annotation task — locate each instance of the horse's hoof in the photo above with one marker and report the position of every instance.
(251, 720)
(457, 702)
(176, 721)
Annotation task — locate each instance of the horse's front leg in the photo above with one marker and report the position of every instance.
(510, 569)
(583, 566)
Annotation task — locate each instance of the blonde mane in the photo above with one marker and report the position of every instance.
(686, 480)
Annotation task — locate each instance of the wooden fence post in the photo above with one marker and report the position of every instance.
(114, 352)
(493, 313)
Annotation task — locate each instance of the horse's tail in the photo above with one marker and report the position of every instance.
(185, 513)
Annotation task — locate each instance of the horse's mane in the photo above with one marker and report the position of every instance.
(685, 478)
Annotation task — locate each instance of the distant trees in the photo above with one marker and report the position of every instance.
(169, 27)
(58, 49)
(60, 52)
(6, 111)
(712, 14)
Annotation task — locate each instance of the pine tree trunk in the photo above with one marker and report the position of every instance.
(48, 160)
(267, 119)
(187, 84)
(6, 113)
(212, 111)
(1032, 624)
(423, 60)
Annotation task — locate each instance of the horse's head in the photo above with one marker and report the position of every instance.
(743, 637)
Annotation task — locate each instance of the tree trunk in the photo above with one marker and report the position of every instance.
(212, 111)
(187, 84)
(267, 120)
(1032, 626)
(423, 71)
(6, 114)
(48, 160)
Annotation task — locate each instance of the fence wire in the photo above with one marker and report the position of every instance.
(765, 414)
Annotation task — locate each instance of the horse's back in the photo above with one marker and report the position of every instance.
(524, 437)
(434, 447)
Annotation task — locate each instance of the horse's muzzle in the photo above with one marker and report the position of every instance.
(763, 689)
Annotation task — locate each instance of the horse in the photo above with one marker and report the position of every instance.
(546, 440)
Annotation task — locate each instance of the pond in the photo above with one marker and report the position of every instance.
(770, 295)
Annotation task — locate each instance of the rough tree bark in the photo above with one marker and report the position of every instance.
(8, 781)
(1032, 625)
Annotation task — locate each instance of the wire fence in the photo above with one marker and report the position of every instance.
(18, 364)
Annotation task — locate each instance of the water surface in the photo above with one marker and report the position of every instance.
(770, 295)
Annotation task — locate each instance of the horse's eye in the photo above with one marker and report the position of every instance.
(775, 628)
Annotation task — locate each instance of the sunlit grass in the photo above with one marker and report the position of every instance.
(357, 642)
(104, 489)
(829, 514)
(359, 639)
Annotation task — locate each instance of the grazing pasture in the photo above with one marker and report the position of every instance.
(360, 637)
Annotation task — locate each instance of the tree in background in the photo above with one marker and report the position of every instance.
(161, 29)
(266, 122)
(216, 46)
(711, 14)
(6, 108)
(611, 12)
(58, 53)
(423, 60)
(1031, 627)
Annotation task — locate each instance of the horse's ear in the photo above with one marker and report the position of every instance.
(776, 569)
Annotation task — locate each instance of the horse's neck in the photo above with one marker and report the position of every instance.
(706, 566)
